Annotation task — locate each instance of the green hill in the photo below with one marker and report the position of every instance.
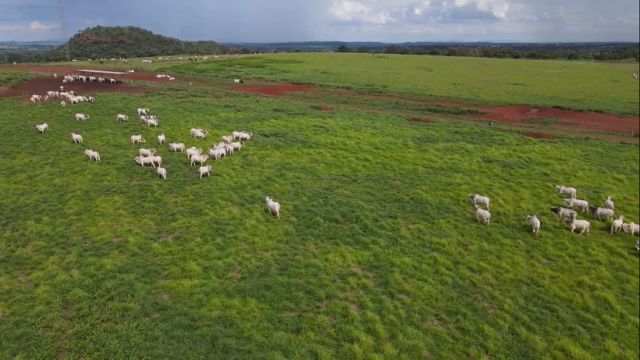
(130, 41)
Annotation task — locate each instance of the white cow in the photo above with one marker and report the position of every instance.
(146, 152)
(93, 155)
(273, 206)
(162, 173)
(42, 127)
(631, 228)
(199, 159)
(192, 151)
(483, 215)
(76, 138)
(177, 147)
(535, 223)
(479, 200)
(205, 170)
(199, 133)
(617, 224)
(609, 203)
(583, 225)
(81, 117)
(564, 190)
(136, 139)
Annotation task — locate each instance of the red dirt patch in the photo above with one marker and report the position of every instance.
(523, 114)
(66, 70)
(538, 135)
(274, 90)
(567, 119)
(42, 85)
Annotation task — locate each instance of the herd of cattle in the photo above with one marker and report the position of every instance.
(568, 215)
(229, 145)
(147, 157)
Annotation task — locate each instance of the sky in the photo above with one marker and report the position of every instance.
(324, 20)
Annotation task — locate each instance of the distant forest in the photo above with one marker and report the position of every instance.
(561, 51)
(108, 42)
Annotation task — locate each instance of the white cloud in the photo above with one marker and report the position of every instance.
(498, 8)
(418, 9)
(353, 11)
(38, 26)
(28, 30)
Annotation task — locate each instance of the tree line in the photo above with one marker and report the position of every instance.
(599, 52)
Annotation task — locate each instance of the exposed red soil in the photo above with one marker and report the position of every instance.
(274, 90)
(566, 119)
(41, 85)
(66, 70)
(538, 135)
(521, 114)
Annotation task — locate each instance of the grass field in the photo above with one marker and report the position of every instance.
(9, 78)
(606, 87)
(377, 255)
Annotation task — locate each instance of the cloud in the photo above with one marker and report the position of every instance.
(419, 8)
(356, 12)
(38, 26)
(498, 8)
(29, 30)
(366, 20)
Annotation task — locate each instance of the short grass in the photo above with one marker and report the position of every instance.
(377, 255)
(10, 78)
(606, 87)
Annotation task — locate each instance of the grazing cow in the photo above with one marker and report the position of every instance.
(617, 224)
(81, 117)
(76, 138)
(273, 206)
(484, 215)
(162, 173)
(563, 190)
(136, 139)
(583, 225)
(535, 223)
(205, 170)
(42, 127)
(479, 200)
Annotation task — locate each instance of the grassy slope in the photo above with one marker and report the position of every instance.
(607, 87)
(377, 253)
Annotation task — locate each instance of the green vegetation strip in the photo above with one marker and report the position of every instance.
(11, 79)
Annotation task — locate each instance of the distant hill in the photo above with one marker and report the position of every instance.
(130, 41)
